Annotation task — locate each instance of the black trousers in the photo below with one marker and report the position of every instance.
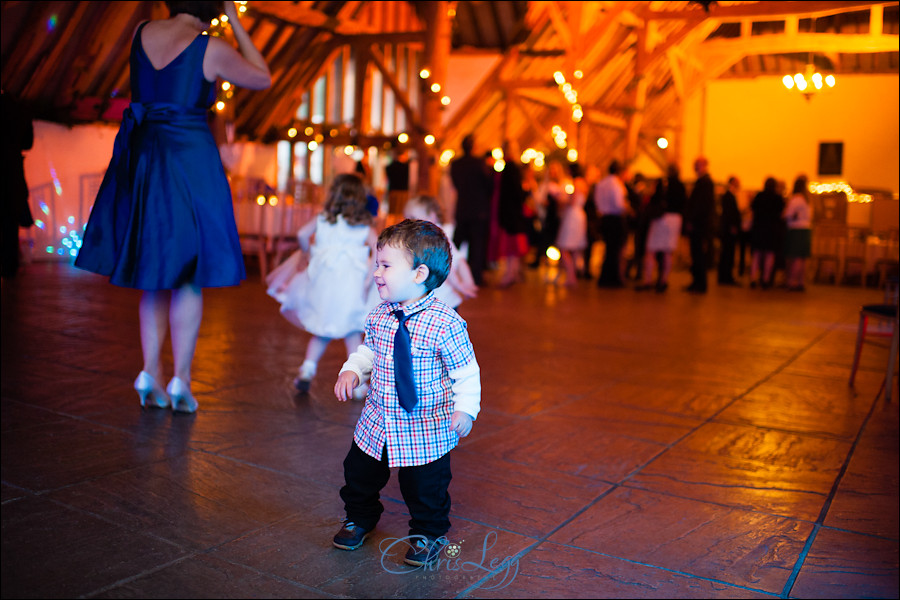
(475, 231)
(743, 250)
(727, 244)
(10, 248)
(424, 488)
(612, 229)
(700, 246)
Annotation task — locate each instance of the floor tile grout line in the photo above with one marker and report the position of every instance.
(477, 585)
(669, 446)
(545, 538)
(668, 570)
(823, 513)
(711, 418)
(679, 440)
(136, 576)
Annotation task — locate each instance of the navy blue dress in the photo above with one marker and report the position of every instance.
(163, 216)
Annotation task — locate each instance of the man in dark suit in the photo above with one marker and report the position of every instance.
(397, 173)
(474, 186)
(729, 229)
(18, 136)
(699, 214)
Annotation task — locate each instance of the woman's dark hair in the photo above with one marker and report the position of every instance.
(801, 185)
(205, 11)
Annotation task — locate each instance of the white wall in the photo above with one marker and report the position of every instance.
(57, 169)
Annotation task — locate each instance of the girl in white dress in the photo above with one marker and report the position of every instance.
(459, 284)
(330, 297)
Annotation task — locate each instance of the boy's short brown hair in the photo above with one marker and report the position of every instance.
(426, 245)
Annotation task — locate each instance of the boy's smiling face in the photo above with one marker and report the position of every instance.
(395, 277)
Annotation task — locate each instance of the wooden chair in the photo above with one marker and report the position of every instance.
(853, 266)
(889, 312)
(250, 217)
(888, 265)
(292, 216)
(827, 242)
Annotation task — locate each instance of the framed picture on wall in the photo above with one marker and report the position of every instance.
(831, 158)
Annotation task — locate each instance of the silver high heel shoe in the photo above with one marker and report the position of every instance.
(182, 399)
(151, 393)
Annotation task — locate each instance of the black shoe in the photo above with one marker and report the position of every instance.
(661, 287)
(351, 536)
(424, 550)
(612, 285)
(643, 287)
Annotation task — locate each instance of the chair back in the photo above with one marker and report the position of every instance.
(291, 217)
(250, 217)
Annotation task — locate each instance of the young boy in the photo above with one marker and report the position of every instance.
(417, 434)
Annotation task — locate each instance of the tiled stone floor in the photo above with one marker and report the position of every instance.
(631, 445)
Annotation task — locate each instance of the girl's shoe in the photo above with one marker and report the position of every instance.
(151, 393)
(304, 378)
(182, 399)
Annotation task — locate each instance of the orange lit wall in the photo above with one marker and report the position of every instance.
(757, 128)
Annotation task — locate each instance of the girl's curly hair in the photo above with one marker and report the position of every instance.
(347, 197)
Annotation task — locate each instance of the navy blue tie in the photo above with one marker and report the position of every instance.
(403, 371)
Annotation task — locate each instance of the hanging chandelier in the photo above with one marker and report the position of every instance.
(809, 82)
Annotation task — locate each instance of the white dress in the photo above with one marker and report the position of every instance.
(573, 223)
(331, 297)
(445, 291)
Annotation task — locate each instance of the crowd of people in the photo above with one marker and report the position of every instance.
(508, 220)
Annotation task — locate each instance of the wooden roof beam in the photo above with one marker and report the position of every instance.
(389, 77)
(766, 10)
(861, 43)
(294, 14)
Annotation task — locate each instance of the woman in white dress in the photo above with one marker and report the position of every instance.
(572, 237)
(331, 297)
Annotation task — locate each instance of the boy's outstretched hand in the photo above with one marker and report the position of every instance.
(461, 423)
(346, 383)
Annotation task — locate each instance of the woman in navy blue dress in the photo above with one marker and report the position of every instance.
(163, 220)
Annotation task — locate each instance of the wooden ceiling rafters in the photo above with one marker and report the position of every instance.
(641, 60)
